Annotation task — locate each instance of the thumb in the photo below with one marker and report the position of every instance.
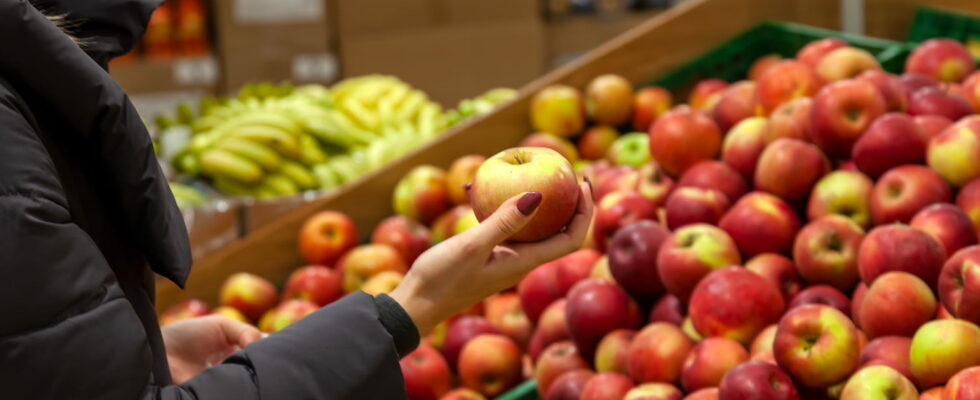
(239, 333)
(509, 219)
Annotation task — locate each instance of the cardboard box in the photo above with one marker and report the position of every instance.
(359, 17)
(262, 40)
(468, 11)
(451, 62)
(192, 74)
(567, 38)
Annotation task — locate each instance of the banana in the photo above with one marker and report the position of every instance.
(187, 163)
(360, 114)
(428, 123)
(231, 187)
(280, 184)
(310, 151)
(222, 163)
(345, 125)
(411, 106)
(270, 119)
(282, 142)
(261, 154)
(326, 176)
(185, 114)
(299, 174)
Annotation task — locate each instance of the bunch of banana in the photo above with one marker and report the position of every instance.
(481, 104)
(187, 196)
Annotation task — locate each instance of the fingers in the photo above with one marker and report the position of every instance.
(509, 218)
(563, 243)
(238, 333)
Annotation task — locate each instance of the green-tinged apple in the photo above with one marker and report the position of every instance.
(286, 314)
(426, 373)
(879, 382)
(694, 205)
(826, 251)
(688, 328)
(895, 95)
(465, 222)
(187, 309)
(657, 353)
(948, 224)
(899, 247)
(841, 112)
(846, 193)
(717, 175)
(325, 237)
(761, 223)
(761, 64)
(743, 144)
(490, 364)
(845, 63)
(595, 308)
(708, 362)
(653, 183)
(818, 345)
(789, 168)
(607, 386)
(555, 360)
(757, 380)
(897, 303)
(382, 282)
(654, 391)
(444, 227)
(706, 94)
(405, 235)
(959, 284)
(648, 104)
(630, 149)
(763, 340)
(601, 270)
(519, 170)
(965, 385)
(248, 293)
(955, 153)
(612, 354)
(737, 102)
(735, 303)
(422, 194)
(683, 136)
(633, 258)
(692, 252)
(315, 283)
(596, 142)
(784, 81)
(563, 146)
(365, 261)
(778, 270)
(460, 173)
(941, 348)
(791, 120)
(892, 140)
(942, 59)
(609, 99)
(902, 191)
(813, 52)
(558, 109)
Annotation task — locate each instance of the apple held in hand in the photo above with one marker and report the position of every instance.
(426, 373)
(325, 237)
(846, 193)
(609, 99)
(841, 112)
(248, 293)
(520, 170)
(683, 136)
(490, 364)
(941, 348)
(879, 382)
(826, 251)
(558, 109)
(692, 252)
(818, 345)
(734, 303)
(315, 283)
(757, 380)
(942, 59)
(648, 104)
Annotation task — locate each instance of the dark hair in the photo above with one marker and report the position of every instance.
(62, 22)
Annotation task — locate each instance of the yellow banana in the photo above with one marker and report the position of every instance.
(280, 184)
(360, 114)
(221, 163)
(275, 138)
(411, 106)
(231, 187)
(263, 155)
(187, 163)
(310, 151)
(270, 119)
(299, 174)
(326, 176)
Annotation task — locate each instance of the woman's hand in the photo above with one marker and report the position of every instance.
(474, 264)
(199, 343)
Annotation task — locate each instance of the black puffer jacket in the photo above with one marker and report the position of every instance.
(86, 218)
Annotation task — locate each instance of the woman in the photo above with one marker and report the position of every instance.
(87, 221)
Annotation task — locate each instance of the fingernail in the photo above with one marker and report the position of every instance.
(587, 180)
(529, 202)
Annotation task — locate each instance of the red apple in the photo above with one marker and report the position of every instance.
(892, 351)
(959, 283)
(460, 173)
(817, 345)
(653, 183)
(841, 112)
(490, 364)
(879, 381)
(539, 289)
(715, 175)
(540, 170)
(845, 63)
(706, 94)
(789, 168)
(315, 283)
(762, 342)
(444, 226)
(248, 293)
(932, 125)
(612, 354)
(422, 194)
(654, 391)
(561, 145)
(609, 99)
(846, 193)
(285, 314)
(790, 120)
(633, 258)
(692, 252)
(897, 303)
(902, 191)
(761, 64)
(856, 299)
(892, 140)
(737, 102)
(683, 136)
(574, 267)
(968, 199)
(971, 90)
(761, 223)
(784, 81)
(405, 235)
(596, 141)
(648, 104)
(596, 307)
(895, 95)
(948, 224)
(460, 333)
(569, 386)
(365, 261)
(914, 82)
(326, 236)
(734, 303)
(942, 59)
(703, 394)
(617, 210)
(657, 353)
(607, 386)
(965, 385)
(954, 152)
(822, 294)
(708, 362)
(668, 309)
(935, 101)
(556, 359)
(551, 328)
(778, 270)
(826, 251)
(692, 205)
(426, 373)
(935, 393)
(743, 144)
(941, 348)
(504, 312)
(757, 380)
(900, 248)
(188, 309)
(813, 52)
(558, 109)
(463, 393)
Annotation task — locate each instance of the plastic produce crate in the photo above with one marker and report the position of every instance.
(525, 391)
(931, 23)
(731, 60)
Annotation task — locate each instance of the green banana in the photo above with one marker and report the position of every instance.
(360, 114)
(411, 106)
(280, 184)
(261, 154)
(310, 151)
(299, 174)
(222, 163)
(284, 143)
(185, 114)
(187, 163)
(326, 176)
(231, 187)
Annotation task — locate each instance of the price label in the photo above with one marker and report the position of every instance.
(278, 11)
(195, 71)
(314, 67)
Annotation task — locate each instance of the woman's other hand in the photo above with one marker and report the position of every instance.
(199, 343)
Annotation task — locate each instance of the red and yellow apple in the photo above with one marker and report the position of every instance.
(942, 59)
(490, 364)
(460, 173)
(609, 99)
(899, 247)
(709, 361)
(365, 261)
(425, 373)
(596, 142)
(734, 303)
(818, 345)
(845, 63)
(559, 110)
(761, 223)
(789, 168)
(879, 382)
(557, 359)
(785, 81)
(692, 252)
(657, 353)
(948, 224)
(315, 283)
(826, 251)
(902, 191)
(648, 104)
(790, 120)
(248, 293)
(612, 354)
(841, 112)
(813, 52)
(846, 193)
(743, 144)
(683, 136)
(325, 237)
(954, 152)
(897, 303)
(941, 348)
(408, 237)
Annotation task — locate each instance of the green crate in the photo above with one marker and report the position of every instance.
(932, 23)
(731, 60)
(525, 391)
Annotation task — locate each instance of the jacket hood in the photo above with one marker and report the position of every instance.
(108, 28)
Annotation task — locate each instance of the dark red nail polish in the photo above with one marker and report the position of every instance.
(529, 202)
